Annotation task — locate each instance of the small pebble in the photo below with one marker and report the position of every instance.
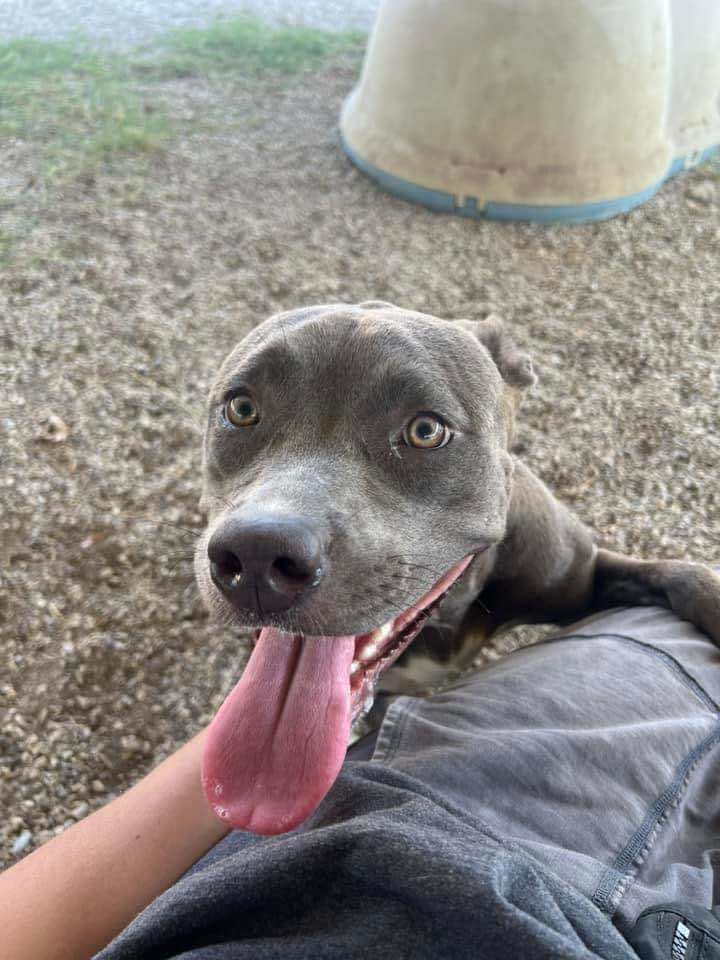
(21, 843)
(702, 192)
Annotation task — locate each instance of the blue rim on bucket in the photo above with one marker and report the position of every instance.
(562, 213)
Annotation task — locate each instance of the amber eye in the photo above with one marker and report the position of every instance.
(241, 411)
(427, 432)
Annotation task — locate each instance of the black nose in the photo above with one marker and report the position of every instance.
(266, 564)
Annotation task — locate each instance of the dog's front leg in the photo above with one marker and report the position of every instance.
(548, 570)
(691, 590)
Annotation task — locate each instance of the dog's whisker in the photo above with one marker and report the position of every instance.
(396, 601)
(404, 560)
(190, 531)
(177, 563)
(434, 571)
(402, 556)
(180, 579)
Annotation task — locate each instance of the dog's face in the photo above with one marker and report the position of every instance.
(353, 457)
(355, 463)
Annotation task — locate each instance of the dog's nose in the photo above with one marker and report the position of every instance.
(266, 564)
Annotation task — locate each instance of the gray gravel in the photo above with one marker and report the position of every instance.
(134, 21)
(132, 284)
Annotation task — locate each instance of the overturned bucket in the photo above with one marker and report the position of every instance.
(550, 110)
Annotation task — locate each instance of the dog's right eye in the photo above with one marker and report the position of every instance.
(426, 431)
(241, 411)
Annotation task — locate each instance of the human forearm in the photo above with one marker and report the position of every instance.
(72, 896)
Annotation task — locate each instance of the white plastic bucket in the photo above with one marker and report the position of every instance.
(554, 110)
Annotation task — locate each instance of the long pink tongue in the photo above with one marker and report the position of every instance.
(277, 743)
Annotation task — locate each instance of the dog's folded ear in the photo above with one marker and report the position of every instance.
(514, 365)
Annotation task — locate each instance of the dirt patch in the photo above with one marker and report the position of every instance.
(131, 286)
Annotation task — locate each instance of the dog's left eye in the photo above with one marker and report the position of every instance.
(241, 411)
(426, 431)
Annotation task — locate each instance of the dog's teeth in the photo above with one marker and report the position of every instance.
(382, 633)
(376, 642)
(368, 652)
(355, 666)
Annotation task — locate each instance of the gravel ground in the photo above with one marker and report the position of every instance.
(135, 21)
(131, 286)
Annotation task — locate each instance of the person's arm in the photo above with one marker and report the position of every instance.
(70, 897)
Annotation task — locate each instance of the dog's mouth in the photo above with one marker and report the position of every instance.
(377, 650)
(277, 743)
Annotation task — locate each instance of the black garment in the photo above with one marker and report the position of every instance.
(388, 868)
(530, 811)
(677, 931)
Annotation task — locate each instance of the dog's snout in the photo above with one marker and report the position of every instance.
(266, 564)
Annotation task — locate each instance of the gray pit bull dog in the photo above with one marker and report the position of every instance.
(360, 492)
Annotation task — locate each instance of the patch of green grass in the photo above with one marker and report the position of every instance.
(247, 46)
(74, 105)
(79, 106)
(27, 59)
(70, 106)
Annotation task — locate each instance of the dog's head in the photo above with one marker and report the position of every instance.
(353, 455)
(355, 462)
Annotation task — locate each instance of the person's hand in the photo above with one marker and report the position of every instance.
(70, 897)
